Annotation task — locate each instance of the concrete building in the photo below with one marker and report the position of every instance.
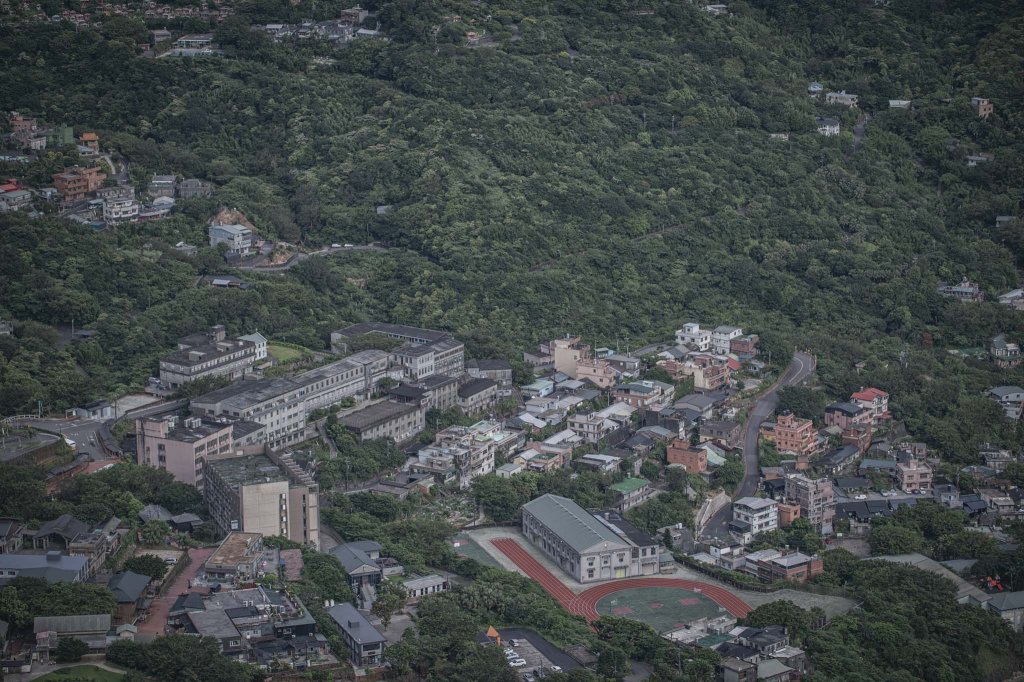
(182, 447)
(816, 499)
(630, 492)
(76, 182)
(388, 419)
(588, 547)
(258, 494)
(499, 371)
(692, 336)
(755, 515)
(693, 459)
(722, 336)
(841, 98)
(914, 475)
(52, 566)
(238, 238)
(477, 395)
(982, 107)
(207, 354)
(162, 186)
(846, 415)
(191, 188)
(238, 558)
(829, 127)
(1010, 398)
(363, 640)
(462, 453)
(425, 351)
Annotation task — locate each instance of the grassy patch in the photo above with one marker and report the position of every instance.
(81, 673)
(285, 353)
(663, 608)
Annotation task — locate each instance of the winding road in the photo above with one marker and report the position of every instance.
(801, 367)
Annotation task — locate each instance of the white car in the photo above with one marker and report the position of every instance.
(511, 652)
(556, 669)
(861, 497)
(335, 246)
(349, 246)
(511, 656)
(517, 662)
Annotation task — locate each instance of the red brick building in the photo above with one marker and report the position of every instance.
(694, 460)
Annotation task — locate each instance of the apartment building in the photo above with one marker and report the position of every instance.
(792, 434)
(398, 421)
(914, 476)
(205, 355)
(265, 494)
(770, 565)
(589, 547)
(875, 401)
(755, 515)
(477, 395)
(76, 182)
(816, 499)
(639, 394)
(425, 352)
(693, 459)
(462, 453)
(238, 238)
(846, 415)
(182, 447)
(709, 372)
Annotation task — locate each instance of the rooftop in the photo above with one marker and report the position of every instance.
(755, 502)
(571, 522)
(375, 414)
(234, 550)
(128, 586)
(629, 485)
(237, 471)
(52, 567)
(399, 330)
(475, 387)
(355, 624)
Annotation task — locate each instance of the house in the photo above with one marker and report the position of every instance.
(158, 36)
(238, 559)
(639, 394)
(388, 419)
(899, 104)
(509, 470)
(477, 395)
(53, 567)
(1003, 353)
(191, 188)
(814, 88)
(754, 515)
(15, 200)
(841, 98)
(76, 182)
(98, 410)
(846, 415)
(745, 346)
(964, 291)
(693, 459)
(838, 459)
(914, 476)
(499, 371)
(365, 642)
(12, 533)
(769, 565)
(829, 127)
(996, 457)
(725, 431)
(238, 238)
(700, 403)
(793, 434)
(162, 186)
(416, 588)
(722, 336)
(876, 401)
(364, 566)
(732, 669)
(981, 157)
(815, 498)
(1013, 299)
(598, 462)
(982, 107)
(90, 141)
(129, 591)
(692, 336)
(91, 629)
(405, 484)
(948, 495)
(198, 41)
(538, 389)
(60, 532)
(1009, 606)
(1010, 398)
(589, 547)
(630, 492)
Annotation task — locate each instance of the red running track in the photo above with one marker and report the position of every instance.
(585, 603)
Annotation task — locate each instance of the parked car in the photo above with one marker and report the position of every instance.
(517, 662)
(861, 497)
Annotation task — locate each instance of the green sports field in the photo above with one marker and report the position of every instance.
(663, 608)
(468, 547)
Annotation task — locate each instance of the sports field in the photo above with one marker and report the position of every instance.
(663, 608)
(284, 353)
(467, 547)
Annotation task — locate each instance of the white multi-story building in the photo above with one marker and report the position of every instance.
(693, 336)
(722, 336)
(755, 515)
(237, 237)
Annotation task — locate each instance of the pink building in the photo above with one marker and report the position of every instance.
(182, 447)
(846, 415)
(914, 475)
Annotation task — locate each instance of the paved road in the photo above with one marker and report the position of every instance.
(156, 619)
(801, 367)
(299, 257)
(82, 431)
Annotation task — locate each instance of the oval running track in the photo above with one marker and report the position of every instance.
(585, 603)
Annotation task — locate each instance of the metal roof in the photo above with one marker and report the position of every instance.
(571, 522)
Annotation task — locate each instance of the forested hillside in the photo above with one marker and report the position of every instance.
(590, 167)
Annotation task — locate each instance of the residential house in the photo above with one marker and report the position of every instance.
(509, 470)
(732, 669)
(794, 435)
(362, 563)
(875, 401)
(598, 462)
(1010, 398)
(829, 127)
(365, 642)
(198, 41)
(630, 492)
(1009, 606)
(499, 371)
(1004, 353)
(899, 104)
(129, 591)
(540, 388)
(947, 494)
(693, 459)
(162, 186)
(238, 238)
(692, 336)
(701, 403)
(1013, 299)
(639, 394)
(841, 98)
(417, 588)
(722, 337)
(814, 89)
(238, 559)
(709, 372)
(966, 291)
(91, 629)
(477, 395)
(404, 484)
(815, 498)
(745, 346)
(52, 566)
(12, 534)
(858, 436)
(996, 457)
(726, 431)
(460, 454)
(90, 141)
(982, 106)
(14, 200)
(838, 459)
(914, 476)
(60, 532)
(589, 547)
(846, 415)
(770, 565)
(754, 515)
(76, 182)
(191, 188)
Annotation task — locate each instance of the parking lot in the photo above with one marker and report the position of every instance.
(541, 656)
